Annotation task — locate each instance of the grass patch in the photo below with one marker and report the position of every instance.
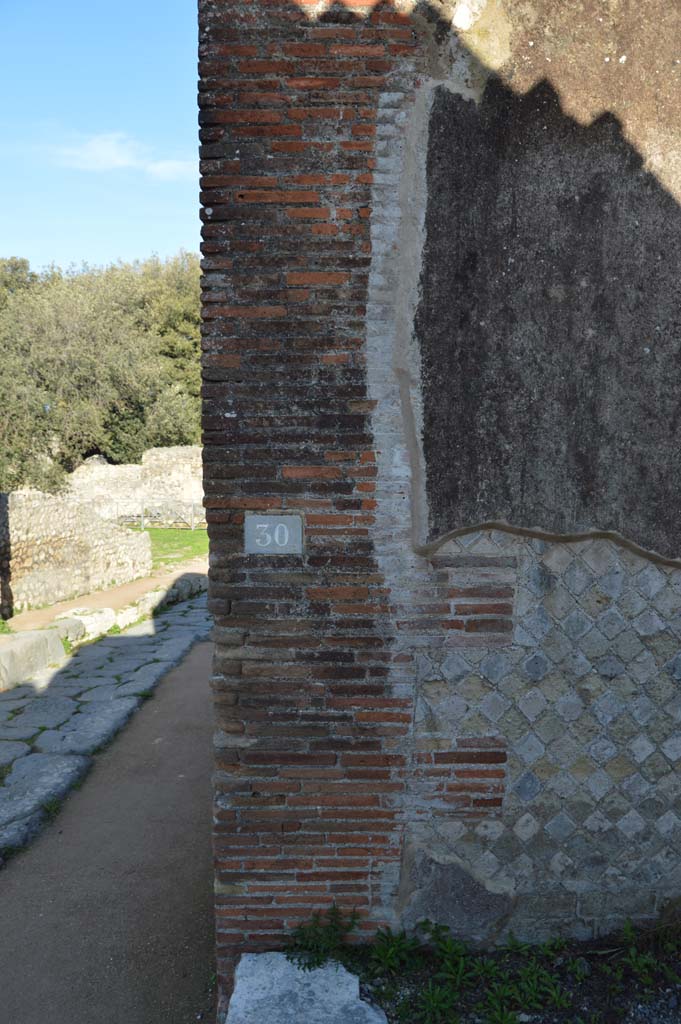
(52, 808)
(430, 977)
(4, 628)
(170, 547)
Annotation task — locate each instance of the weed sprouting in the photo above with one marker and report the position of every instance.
(431, 977)
(394, 951)
(321, 939)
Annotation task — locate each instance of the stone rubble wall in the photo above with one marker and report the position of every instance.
(166, 476)
(56, 548)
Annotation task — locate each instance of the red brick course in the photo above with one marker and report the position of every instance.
(312, 758)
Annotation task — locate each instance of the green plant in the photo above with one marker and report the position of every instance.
(315, 942)
(641, 965)
(500, 1015)
(67, 645)
(393, 951)
(513, 945)
(552, 947)
(404, 1010)
(577, 968)
(52, 808)
(556, 996)
(436, 1004)
(485, 969)
(500, 998)
(531, 987)
(4, 627)
(115, 630)
(457, 973)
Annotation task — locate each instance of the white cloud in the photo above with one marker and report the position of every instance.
(172, 170)
(113, 151)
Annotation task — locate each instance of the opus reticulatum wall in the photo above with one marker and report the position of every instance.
(440, 325)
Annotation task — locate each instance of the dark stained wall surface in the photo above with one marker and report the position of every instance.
(549, 324)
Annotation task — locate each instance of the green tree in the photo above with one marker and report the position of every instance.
(99, 361)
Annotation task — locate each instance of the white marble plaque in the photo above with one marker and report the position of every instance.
(273, 534)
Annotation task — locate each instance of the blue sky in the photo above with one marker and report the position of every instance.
(98, 150)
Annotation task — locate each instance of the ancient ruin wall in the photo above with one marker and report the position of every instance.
(165, 475)
(53, 549)
(439, 324)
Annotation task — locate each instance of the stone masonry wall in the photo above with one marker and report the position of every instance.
(481, 726)
(164, 475)
(53, 549)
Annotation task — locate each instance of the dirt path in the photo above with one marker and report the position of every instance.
(107, 918)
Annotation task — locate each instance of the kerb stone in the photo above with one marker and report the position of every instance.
(269, 988)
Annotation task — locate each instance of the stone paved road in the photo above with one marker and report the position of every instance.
(51, 725)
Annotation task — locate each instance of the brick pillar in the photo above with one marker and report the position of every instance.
(310, 755)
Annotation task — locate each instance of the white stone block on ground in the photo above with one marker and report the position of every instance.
(270, 989)
(96, 621)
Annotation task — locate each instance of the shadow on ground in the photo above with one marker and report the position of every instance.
(52, 725)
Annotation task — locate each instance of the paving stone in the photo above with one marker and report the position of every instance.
(107, 678)
(66, 689)
(10, 706)
(16, 805)
(12, 730)
(146, 677)
(46, 713)
(49, 775)
(95, 724)
(17, 693)
(20, 832)
(10, 750)
(269, 988)
(106, 692)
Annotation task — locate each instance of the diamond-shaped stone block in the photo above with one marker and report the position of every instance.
(526, 827)
(641, 748)
(532, 704)
(631, 824)
(536, 667)
(672, 747)
(530, 748)
(577, 624)
(560, 827)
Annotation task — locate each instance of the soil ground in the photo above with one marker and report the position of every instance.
(107, 918)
